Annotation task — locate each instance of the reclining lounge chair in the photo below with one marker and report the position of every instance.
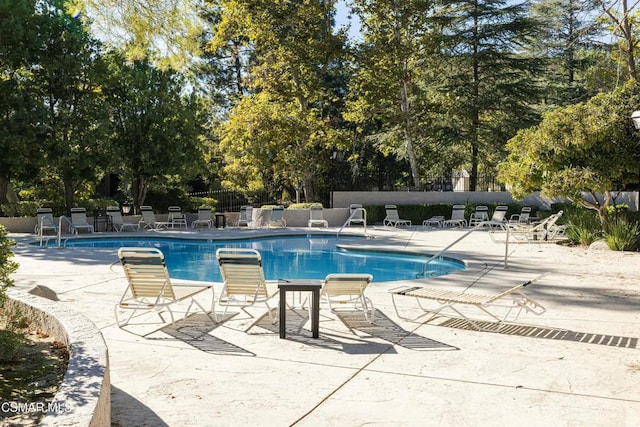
(509, 300)
(150, 287)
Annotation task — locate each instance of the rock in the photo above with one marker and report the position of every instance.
(44, 292)
(599, 245)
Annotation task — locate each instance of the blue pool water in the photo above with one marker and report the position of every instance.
(284, 257)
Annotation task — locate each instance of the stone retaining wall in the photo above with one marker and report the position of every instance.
(84, 397)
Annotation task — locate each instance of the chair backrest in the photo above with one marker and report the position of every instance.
(147, 214)
(482, 212)
(242, 272)
(115, 214)
(146, 273)
(79, 216)
(355, 212)
(45, 216)
(246, 214)
(277, 213)
(553, 219)
(525, 214)
(204, 213)
(457, 212)
(392, 211)
(174, 212)
(315, 213)
(345, 284)
(499, 214)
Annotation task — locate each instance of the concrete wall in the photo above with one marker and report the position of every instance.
(84, 396)
(342, 199)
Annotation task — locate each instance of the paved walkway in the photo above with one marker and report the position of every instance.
(577, 364)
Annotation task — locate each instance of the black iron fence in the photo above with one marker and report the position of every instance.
(230, 201)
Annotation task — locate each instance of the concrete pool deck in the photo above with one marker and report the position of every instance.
(576, 364)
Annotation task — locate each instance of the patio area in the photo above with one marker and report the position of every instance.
(576, 364)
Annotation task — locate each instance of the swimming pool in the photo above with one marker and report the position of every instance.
(284, 257)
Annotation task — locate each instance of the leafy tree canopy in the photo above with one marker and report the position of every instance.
(589, 147)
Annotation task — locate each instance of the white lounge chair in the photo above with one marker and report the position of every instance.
(543, 231)
(498, 218)
(204, 218)
(150, 287)
(316, 217)
(348, 289)
(507, 301)
(356, 215)
(244, 282)
(118, 222)
(277, 217)
(457, 217)
(45, 222)
(393, 219)
(149, 219)
(79, 221)
(176, 218)
(246, 216)
(434, 221)
(480, 215)
(522, 217)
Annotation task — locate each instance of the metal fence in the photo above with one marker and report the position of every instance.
(230, 201)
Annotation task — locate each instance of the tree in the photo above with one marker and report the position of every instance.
(157, 131)
(580, 151)
(21, 111)
(295, 54)
(571, 39)
(69, 75)
(623, 23)
(394, 49)
(163, 30)
(491, 81)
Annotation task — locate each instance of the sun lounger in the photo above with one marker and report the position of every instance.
(118, 222)
(434, 221)
(277, 217)
(149, 219)
(348, 289)
(393, 218)
(150, 287)
(79, 221)
(244, 282)
(316, 217)
(204, 218)
(457, 217)
(513, 301)
(45, 221)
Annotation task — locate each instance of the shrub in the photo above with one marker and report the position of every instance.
(623, 235)
(584, 226)
(7, 266)
(303, 205)
(23, 208)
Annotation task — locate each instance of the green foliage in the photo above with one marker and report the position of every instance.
(20, 209)
(303, 205)
(7, 266)
(589, 147)
(12, 345)
(623, 235)
(197, 202)
(156, 137)
(584, 225)
(161, 198)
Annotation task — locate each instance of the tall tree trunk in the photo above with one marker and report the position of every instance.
(69, 196)
(4, 188)
(139, 189)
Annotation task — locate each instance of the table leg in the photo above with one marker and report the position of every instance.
(283, 313)
(315, 315)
